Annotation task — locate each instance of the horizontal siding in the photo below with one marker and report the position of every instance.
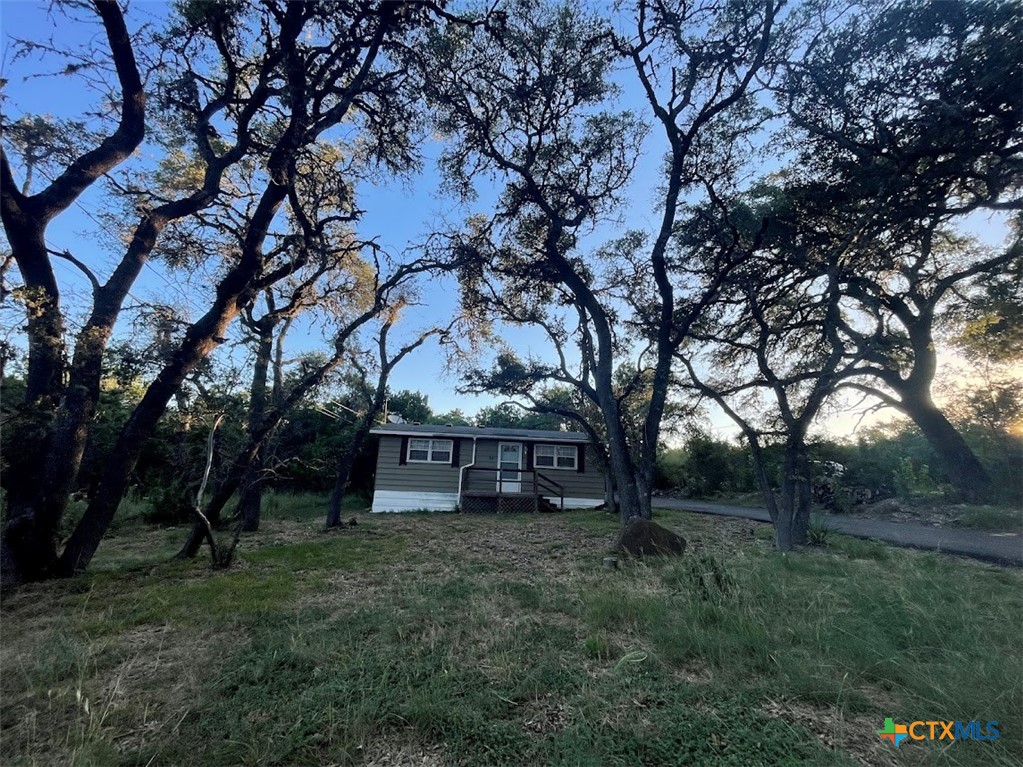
(443, 478)
(585, 484)
(486, 452)
(425, 477)
(588, 483)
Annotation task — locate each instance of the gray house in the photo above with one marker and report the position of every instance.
(484, 469)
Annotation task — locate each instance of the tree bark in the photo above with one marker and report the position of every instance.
(251, 501)
(28, 550)
(966, 473)
(794, 510)
(235, 290)
(85, 539)
(201, 338)
(250, 504)
(913, 397)
(213, 513)
(760, 472)
(645, 490)
(47, 462)
(620, 458)
(344, 471)
(257, 442)
(629, 504)
(347, 459)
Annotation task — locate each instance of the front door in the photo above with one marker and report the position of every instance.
(509, 463)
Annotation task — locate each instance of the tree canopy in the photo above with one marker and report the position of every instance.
(762, 205)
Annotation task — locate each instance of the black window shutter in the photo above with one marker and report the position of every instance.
(456, 452)
(403, 454)
(529, 456)
(580, 451)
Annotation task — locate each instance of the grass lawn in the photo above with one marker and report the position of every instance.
(920, 510)
(990, 518)
(445, 639)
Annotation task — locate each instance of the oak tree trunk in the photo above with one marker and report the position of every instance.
(966, 473)
(251, 501)
(793, 518)
(344, 471)
(200, 339)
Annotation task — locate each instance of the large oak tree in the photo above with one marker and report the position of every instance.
(532, 104)
(244, 89)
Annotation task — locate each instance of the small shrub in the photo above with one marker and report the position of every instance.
(169, 504)
(913, 479)
(990, 518)
(271, 504)
(597, 647)
(818, 532)
(890, 506)
(703, 577)
(60, 656)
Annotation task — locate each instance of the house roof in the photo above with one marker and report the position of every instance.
(441, 430)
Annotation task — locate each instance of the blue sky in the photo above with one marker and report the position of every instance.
(399, 214)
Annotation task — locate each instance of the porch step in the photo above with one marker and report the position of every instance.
(547, 507)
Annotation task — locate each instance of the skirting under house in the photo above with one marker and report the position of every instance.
(397, 500)
(404, 500)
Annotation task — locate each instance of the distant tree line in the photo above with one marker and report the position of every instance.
(892, 461)
(301, 457)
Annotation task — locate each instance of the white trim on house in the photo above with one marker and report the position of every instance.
(483, 432)
(504, 484)
(577, 503)
(560, 452)
(414, 500)
(430, 450)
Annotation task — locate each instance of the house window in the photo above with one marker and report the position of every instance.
(429, 450)
(556, 457)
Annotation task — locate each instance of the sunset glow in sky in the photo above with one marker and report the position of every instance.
(399, 213)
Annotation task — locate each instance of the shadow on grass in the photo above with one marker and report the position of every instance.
(662, 662)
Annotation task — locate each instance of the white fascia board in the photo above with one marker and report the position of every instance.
(462, 435)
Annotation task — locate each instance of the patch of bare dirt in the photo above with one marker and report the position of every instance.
(892, 510)
(540, 548)
(693, 673)
(720, 536)
(854, 734)
(883, 699)
(643, 537)
(401, 750)
(546, 716)
(278, 532)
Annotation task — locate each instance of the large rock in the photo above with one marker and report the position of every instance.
(641, 537)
